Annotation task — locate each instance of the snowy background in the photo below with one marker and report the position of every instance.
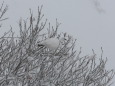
(92, 23)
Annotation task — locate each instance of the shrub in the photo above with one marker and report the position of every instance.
(23, 62)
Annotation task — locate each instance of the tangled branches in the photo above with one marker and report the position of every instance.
(24, 63)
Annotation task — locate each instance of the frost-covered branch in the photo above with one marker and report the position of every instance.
(25, 61)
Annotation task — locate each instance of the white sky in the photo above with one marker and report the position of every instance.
(79, 18)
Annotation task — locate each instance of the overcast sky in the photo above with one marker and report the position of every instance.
(94, 27)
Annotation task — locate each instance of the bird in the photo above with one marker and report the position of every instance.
(51, 43)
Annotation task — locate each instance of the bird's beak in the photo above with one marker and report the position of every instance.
(40, 45)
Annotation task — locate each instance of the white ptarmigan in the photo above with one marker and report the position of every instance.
(52, 43)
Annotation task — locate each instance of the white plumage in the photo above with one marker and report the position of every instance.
(52, 43)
